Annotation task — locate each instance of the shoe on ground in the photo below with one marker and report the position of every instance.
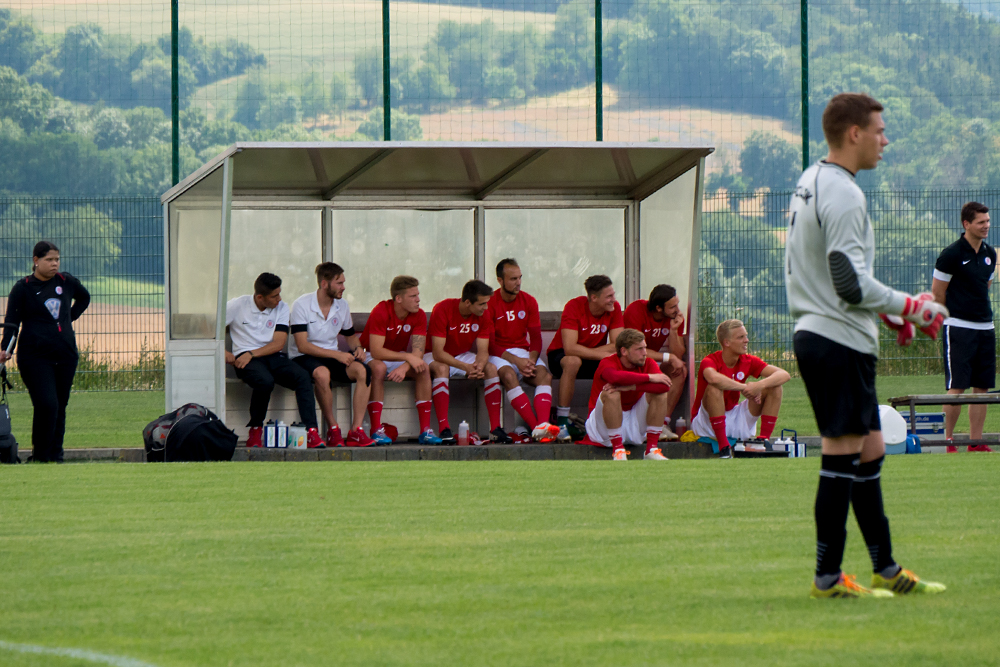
(428, 438)
(951, 449)
(447, 438)
(725, 452)
(380, 437)
(666, 434)
(980, 448)
(563, 435)
(620, 454)
(545, 432)
(905, 582)
(255, 438)
(358, 438)
(847, 587)
(498, 436)
(313, 441)
(655, 455)
(333, 437)
(576, 432)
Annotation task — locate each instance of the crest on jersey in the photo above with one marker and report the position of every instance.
(59, 287)
(270, 323)
(53, 305)
(406, 328)
(475, 327)
(521, 314)
(988, 262)
(665, 331)
(336, 321)
(604, 328)
(740, 375)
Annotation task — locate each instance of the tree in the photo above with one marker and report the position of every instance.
(20, 45)
(405, 127)
(368, 75)
(426, 86)
(24, 103)
(768, 161)
(111, 130)
(152, 83)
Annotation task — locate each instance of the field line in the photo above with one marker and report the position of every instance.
(79, 654)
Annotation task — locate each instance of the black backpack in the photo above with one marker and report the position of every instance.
(8, 443)
(189, 433)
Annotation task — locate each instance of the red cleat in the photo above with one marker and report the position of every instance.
(313, 441)
(256, 436)
(980, 448)
(951, 449)
(333, 437)
(358, 438)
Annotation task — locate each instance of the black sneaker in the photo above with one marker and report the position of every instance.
(499, 436)
(447, 438)
(725, 452)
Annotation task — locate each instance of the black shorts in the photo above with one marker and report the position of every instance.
(338, 371)
(969, 357)
(586, 372)
(840, 382)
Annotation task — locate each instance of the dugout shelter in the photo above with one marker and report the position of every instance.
(444, 212)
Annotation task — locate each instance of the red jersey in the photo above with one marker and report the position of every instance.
(511, 321)
(397, 332)
(639, 318)
(746, 365)
(459, 332)
(592, 331)
(605, 373)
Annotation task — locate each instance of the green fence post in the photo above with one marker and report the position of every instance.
(386, 74)
(599, 68)
(804, 49)
(175, 97)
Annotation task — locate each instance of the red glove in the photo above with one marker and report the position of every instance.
(924, 312)
(904, 330)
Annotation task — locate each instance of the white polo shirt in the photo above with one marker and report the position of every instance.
(321, 331)
(252, 328)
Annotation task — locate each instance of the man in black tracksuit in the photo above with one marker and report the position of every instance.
(45, 305)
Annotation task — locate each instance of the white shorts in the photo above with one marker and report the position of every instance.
(633, 424)
(740, 424)
(390, 366)
(465, 358)
(500, 362)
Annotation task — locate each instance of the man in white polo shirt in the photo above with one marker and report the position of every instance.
(317, 320)
(258, 326)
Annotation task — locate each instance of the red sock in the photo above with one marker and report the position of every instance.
(543, 402)
(424, 415)
(652, 437)
(767, 425)
(615, 436)
(519, 401)
(493, 402)
(719, 426)
(375, 414)
(441, 397)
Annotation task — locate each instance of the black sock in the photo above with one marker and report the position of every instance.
(833, 500)
(866, 497)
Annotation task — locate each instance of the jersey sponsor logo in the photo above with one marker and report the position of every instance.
(803, 193)
(59, 288)
(406, 328)
(53, 305)
(452, 328)
(740, 375)
(969, 260)
(521, 314)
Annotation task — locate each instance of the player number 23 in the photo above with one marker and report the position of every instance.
(595, 328)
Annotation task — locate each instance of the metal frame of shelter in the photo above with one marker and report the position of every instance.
(408, 175)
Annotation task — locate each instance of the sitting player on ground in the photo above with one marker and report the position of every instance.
(660, 321)
(515, 319)
(258, 325)
(318, 318)
(587, 333)
(455, 325)
(393, 327)
(722, 377)
(628, 399)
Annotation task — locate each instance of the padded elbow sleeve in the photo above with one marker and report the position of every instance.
(845, 279)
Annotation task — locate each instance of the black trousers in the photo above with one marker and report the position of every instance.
(49, 383)
(262, 373)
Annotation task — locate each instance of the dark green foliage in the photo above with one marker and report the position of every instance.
(405, 127)
(769, 161)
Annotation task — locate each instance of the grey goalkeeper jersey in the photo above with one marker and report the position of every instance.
(829, 252)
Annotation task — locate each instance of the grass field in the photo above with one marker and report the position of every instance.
(493, 563)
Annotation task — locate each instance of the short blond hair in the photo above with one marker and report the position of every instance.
(626, 339)
(723, 330)
(400, 284)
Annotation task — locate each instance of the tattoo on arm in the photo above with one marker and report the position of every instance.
(418, 343)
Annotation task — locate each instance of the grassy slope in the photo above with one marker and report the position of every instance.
(690, 562)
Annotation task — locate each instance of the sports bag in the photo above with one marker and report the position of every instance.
(192, 432)
(8, 443)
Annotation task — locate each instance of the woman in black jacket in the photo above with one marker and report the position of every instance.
(45, 304)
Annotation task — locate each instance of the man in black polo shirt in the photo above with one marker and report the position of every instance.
(962, 278)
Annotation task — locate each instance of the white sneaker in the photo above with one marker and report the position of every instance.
(666, 434)
(563, 434)
(546, 432)
(620, 454)
(655, 455)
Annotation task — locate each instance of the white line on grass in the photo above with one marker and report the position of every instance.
(78, 653)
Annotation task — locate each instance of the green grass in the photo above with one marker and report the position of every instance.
(129, 292)
(492, 563)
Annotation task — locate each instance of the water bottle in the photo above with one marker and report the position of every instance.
(270, 434)
(281, 435)
(297, 435)
(680, 426)
(463, 433)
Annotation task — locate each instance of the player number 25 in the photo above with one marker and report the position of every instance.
(465, 328)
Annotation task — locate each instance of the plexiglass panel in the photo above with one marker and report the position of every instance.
(287, 243)
(195, 225)
(558, 249)
(373, 246)
(666, 220)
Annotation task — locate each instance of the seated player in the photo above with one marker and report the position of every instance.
(722, 377)
(515, 319)
(258, 325)
(318, 318)
(456, 325)
(587, 333)
(628, 399)
(660, 321)
(394, 326)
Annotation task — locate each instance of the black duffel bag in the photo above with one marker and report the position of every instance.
(190, 433)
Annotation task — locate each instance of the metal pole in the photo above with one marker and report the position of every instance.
(599, 68)
(804, 49)
(386, 74)
(175, 96)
